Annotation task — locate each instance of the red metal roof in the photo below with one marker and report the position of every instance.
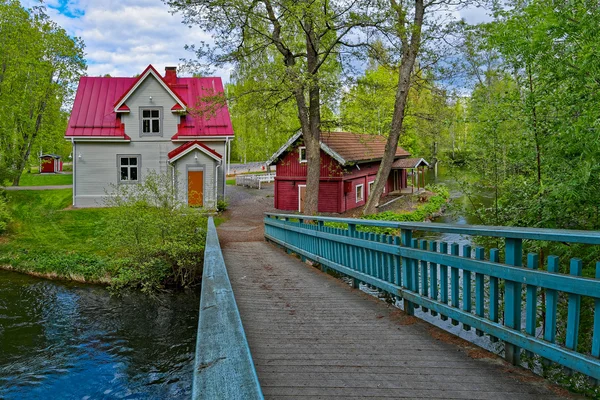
(93, 110)
(187, 146)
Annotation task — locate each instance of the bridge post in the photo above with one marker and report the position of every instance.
(512, 299)
(407, 279)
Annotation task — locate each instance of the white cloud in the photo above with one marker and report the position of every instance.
(123, 36)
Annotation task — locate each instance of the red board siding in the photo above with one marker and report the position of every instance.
(329, 197)
(290, 166)
(286, 195)
(47, 165)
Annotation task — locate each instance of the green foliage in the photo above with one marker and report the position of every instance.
(41, 65)
(222, 205)
(5, 217)
(165, 238)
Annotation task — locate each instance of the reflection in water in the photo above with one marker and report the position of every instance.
(73, 341)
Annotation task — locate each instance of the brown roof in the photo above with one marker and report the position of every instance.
(355, 147)
(405, 163)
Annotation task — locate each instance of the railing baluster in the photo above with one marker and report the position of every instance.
(406, 235)
(512, 298)
(415, 270)
(551, 304)
(494, 292)
(574, 310)
(531, 305)
(389, 261)
(424, 275)
(596, 331)
(397, 264)
(444, 279)
(433, 272)
(467, 295)
(454, 281)
(479, 289)
(353, 255)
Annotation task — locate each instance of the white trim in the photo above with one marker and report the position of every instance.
(302, 149)
(205, 138)
(299, 186)
(362, 192)
(293, 139)
(142, 79)
(194, 147)
(96, 139)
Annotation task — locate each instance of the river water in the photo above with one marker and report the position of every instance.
(62, 340)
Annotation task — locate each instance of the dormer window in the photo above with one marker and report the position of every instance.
(151, 121)
(302, 154)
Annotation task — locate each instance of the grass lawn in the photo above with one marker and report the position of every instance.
(46, 238)
(230, 181)
(45, 179)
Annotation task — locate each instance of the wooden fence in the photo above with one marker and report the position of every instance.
(254, 181)
(427, 274)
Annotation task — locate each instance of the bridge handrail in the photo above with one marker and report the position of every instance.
(223, 366)
(423, 274)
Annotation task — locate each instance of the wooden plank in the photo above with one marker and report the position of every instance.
(574, 309)
(531, 301)
(424, 273)
(434, 276)
(467, 294)
(444, 279)
(454, 281)
(479, 289)
(512, 298)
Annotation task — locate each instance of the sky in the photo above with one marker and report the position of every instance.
(123, 36)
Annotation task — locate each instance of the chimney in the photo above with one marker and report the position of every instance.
(171, 75)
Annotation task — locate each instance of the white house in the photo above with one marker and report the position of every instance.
(123, 127)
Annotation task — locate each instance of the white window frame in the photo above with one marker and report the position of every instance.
(159, 119)
(138, 167)
(370, 185)
(362, 192)
(299, 199)
(302, 154)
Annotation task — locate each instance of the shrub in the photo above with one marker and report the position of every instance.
(165, 237)
(5, 217)
(222, 205)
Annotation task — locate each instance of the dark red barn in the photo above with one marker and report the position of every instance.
(349, 163)
(50, 163)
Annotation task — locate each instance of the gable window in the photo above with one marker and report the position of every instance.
(302, 154)
(129, 168)
(150, 121)
(360, 193)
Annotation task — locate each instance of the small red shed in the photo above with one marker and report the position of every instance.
(349, 164)
(50, 163)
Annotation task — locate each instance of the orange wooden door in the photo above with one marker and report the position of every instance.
(301, 195)
(196, 188)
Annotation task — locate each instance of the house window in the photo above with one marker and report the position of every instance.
(302, 154)
(371, 184)
(151, 121)
(360, 193)
(129, 168)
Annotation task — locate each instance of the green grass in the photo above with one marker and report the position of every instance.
(230, 181)
(45, 179)
(47, 238)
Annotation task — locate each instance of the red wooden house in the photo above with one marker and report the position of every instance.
(50, 163)
(349, 163)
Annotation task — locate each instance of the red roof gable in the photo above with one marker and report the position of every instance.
(93, 110)
(188, 146)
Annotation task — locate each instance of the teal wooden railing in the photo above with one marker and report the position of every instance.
(427, 274)
(223, 367)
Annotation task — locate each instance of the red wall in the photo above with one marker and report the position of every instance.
(286, 195)
(47, 164)
(289, 166)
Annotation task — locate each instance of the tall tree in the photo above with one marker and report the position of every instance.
(306, 35)
(410, 23)
(39, 67)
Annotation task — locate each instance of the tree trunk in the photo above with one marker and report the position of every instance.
(410, 50)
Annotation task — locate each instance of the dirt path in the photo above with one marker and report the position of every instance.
(245, 214)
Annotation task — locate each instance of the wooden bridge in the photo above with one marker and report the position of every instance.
(301, 333)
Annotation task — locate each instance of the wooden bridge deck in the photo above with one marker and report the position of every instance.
(312, 336)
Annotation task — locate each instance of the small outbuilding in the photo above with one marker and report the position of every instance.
(50, 164)
(349, 164)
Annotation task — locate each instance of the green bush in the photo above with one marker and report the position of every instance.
(222, 205)
(5, 217)
(165, 237)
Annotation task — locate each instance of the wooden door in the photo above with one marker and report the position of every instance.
(301, 196)
(196, 188)
(397, 185)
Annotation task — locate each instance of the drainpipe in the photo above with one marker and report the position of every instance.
(173, 182)
(74, 158)
(217, 182)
